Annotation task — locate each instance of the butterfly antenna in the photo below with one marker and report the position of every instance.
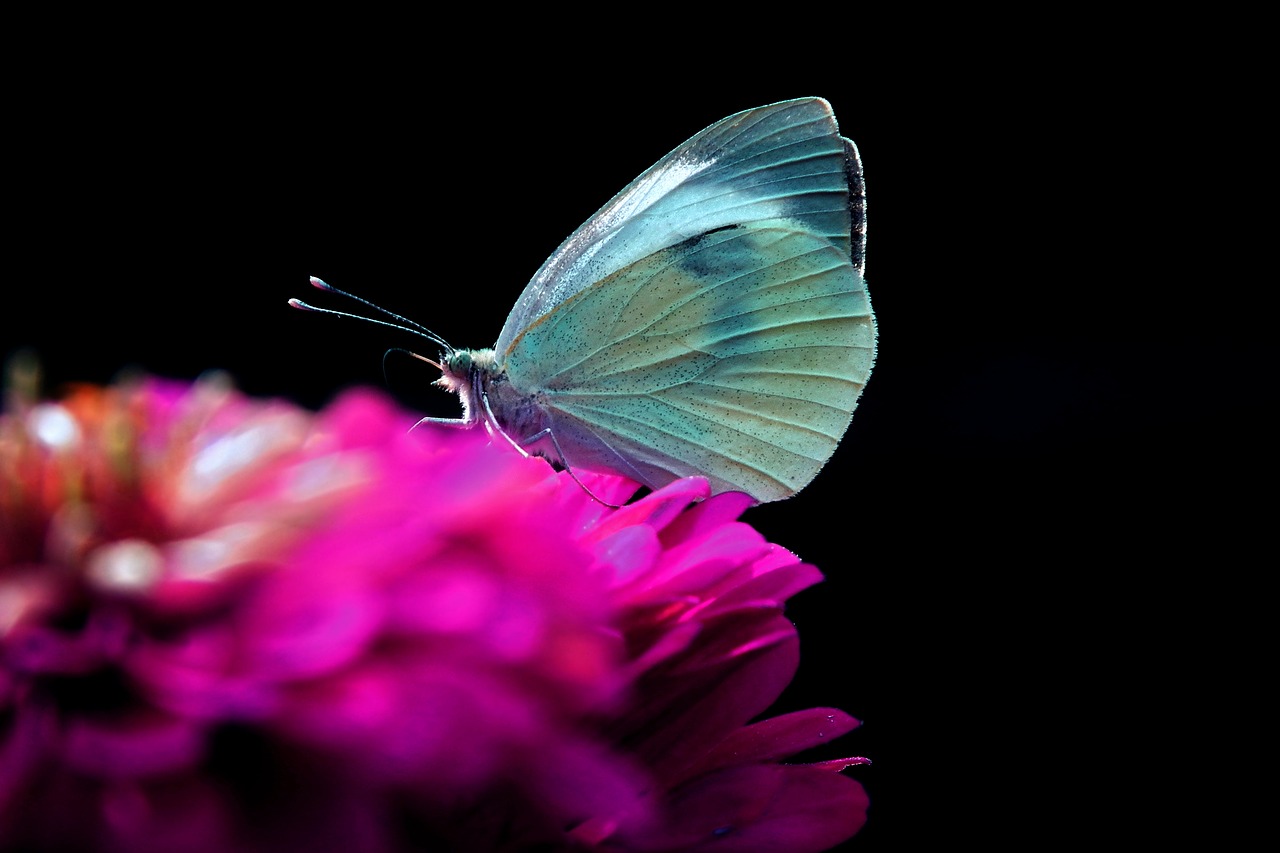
(404, 324)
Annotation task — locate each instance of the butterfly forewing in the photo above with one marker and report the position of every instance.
(783, 161)
(737, 354)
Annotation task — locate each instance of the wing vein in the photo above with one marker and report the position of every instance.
(713, 450)
(726, 282)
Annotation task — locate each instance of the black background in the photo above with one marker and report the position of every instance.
(1022, 529)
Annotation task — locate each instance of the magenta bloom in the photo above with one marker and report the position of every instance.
(229, 624)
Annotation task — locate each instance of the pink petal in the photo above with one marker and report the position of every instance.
(629, 553)
(132, 749)
(772, 588)
(780, 737)
(657, 509)
(760, 809)
(707, 516)
(679, 717)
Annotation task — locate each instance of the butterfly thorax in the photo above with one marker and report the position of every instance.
(488, 396)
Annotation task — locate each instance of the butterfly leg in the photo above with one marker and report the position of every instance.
(548, 435)
(454, 423)
(525, 446)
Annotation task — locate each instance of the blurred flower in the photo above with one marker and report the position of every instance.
(230, 624)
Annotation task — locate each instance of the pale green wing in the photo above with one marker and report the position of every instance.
(738, 355)
(781, 161)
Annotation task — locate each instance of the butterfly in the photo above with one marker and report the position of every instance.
(710, 320)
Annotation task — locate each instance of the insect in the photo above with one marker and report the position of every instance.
(711, 319)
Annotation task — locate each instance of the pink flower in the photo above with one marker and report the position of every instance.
(229, 624)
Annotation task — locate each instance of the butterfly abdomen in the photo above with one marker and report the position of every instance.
(519, 412)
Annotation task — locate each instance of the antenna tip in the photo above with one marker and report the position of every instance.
(315, 282)
(298, 303)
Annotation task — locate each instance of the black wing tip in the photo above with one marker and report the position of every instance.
(857, 205)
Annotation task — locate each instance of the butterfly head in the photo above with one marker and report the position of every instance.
(464, 372)
(458, 367)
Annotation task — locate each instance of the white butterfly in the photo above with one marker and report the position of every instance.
(710, 320)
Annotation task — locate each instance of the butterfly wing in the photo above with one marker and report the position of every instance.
(737, 354)
(782, 161)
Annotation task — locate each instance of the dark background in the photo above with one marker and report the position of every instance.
(1022, 529)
